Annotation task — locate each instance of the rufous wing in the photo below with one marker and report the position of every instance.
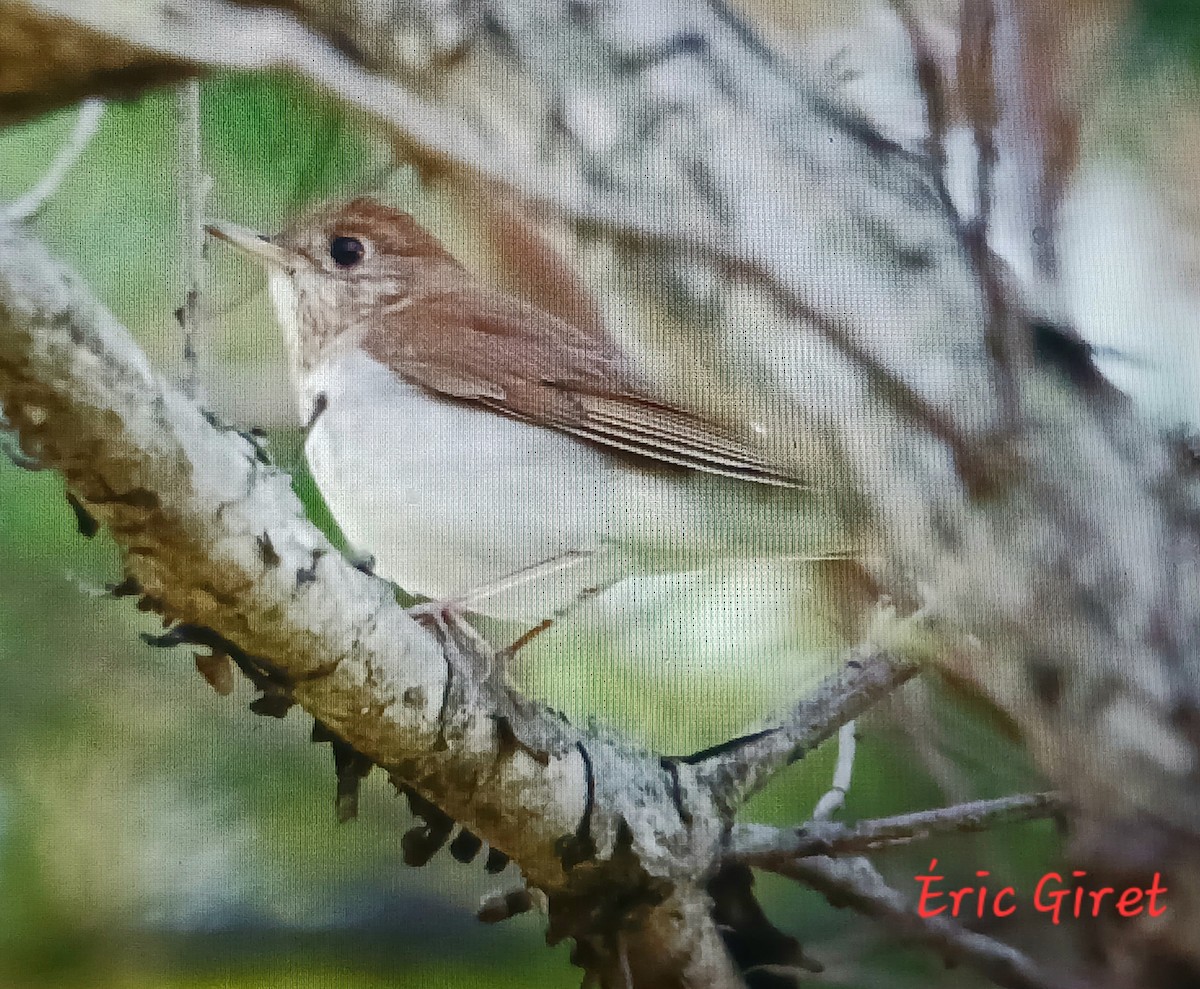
(484, 347)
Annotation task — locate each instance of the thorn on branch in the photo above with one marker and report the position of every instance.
(85, 521)
(217, 671)
(140, 498)
(129, 587)
(496, 862)
(273, 703)
(421, 843)
(465, 847)
(184, 634)
(148, 603)
(505, 906)
(276, 699)
(351, 767)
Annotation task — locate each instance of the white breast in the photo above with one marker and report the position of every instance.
(448, 498)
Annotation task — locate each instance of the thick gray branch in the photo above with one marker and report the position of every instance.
(1064, 533)
(217, 539)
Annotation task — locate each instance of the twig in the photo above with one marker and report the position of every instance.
(835, 797)
(977, 66)
(28, 206)
(855, 883)
(738, 770)
(976, 61)
(766, 847)
(194, 187)
(932, 84)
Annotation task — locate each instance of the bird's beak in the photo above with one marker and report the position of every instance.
(258, 245)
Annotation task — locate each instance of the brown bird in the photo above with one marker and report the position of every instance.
(487, 453)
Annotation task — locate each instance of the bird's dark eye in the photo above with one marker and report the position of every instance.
(346, 251)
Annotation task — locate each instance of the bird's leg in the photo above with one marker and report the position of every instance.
(441, 615)
(507, 653)
(531, 573)
(526, 637)
(448, 614)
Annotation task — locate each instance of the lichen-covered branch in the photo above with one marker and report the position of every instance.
(215, 539)
(1015, 494)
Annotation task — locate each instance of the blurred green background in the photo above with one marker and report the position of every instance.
(153, 834)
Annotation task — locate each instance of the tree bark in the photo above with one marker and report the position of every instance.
(1028, 502)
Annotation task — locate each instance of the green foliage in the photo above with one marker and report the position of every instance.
(1170, 27)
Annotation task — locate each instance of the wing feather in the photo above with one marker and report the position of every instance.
(523, 362)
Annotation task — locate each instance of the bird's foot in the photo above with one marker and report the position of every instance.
(441, 616)
(446, 620)
(363, 564)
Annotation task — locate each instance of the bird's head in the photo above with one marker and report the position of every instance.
(334, 272)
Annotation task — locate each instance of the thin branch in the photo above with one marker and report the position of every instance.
(932, 83)
(856, 884)
(835, 797)
(977, 84)
(194, 187)
(767, 847)
(91, 111)
(977, 68)
(736, 771)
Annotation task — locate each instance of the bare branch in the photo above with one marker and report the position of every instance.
(856, 884)
(91, 111)
(766, 847)
(194, 187)
(738, 770)
(834, 799)
(1074, 566)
